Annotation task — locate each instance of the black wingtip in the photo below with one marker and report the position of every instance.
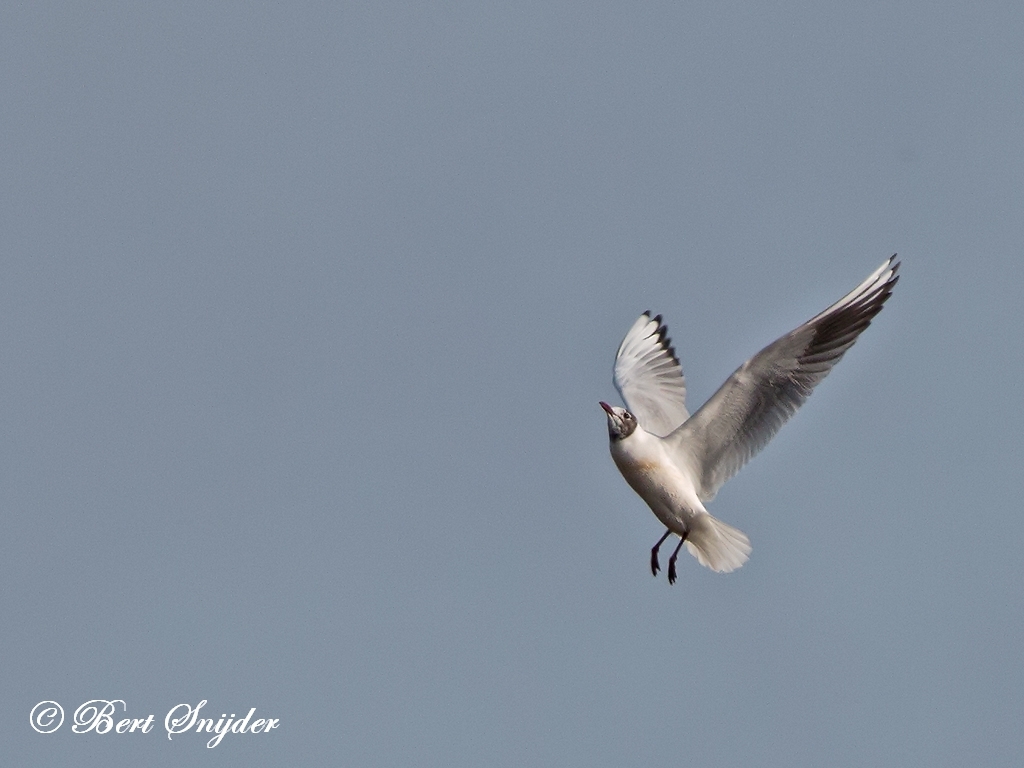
(837, 332)
(663, 340)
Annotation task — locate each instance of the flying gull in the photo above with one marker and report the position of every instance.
(677, 462)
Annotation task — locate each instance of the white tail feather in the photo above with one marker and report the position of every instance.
(717, 545)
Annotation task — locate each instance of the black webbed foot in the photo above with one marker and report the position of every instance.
(672, 560)
(655, 565)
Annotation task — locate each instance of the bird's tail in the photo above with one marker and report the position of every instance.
(719, 546)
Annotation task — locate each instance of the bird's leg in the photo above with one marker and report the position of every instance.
(655, 566)
(672, 560)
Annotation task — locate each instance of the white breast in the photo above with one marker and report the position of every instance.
(650, 471)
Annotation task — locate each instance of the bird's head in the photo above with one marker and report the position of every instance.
(621, 423)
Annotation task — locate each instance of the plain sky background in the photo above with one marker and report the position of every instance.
(305, 312)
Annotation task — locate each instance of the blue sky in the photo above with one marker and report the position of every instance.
(305, 314)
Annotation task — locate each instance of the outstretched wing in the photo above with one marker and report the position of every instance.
(747, 411)
(649, 377)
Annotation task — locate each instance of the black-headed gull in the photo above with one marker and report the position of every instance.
(675, 461)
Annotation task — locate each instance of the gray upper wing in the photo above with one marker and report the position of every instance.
(649, 377)
(764, 392)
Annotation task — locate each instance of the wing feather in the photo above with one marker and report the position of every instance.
(649, 378)
(763, 393)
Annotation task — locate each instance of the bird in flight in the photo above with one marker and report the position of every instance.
(677, 462)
